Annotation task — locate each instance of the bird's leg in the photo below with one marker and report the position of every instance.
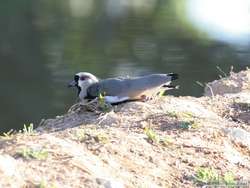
(79, 105)
(92, 105)
(75, 107)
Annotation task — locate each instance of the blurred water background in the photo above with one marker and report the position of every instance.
(43, 43)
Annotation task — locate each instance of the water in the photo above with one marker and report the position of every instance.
(43, 43)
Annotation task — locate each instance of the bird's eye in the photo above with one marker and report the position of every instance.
(83, 78)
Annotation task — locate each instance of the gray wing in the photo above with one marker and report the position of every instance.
(107, 87)
(124, 87)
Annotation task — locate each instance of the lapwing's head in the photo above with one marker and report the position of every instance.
(82, 81)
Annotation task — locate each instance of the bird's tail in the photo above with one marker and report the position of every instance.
(167, 87)
(173, 76)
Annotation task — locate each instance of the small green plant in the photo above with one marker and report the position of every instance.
(101, 99)
(187, 115)
(151, 135)
(102, 138)
(103, 105)
(8, 135)
(28, 153)
(80, 135)
(207, 176)
(210, 176)
(172, 114)
(44, 184)
(188, 119)
(229, 179)
(185, 125)
(189, 125)
(166, 141)
(28, 130)
(195, 125)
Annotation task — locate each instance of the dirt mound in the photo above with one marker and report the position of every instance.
(166, 142)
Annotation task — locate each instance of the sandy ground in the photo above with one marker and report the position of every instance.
(164, 142)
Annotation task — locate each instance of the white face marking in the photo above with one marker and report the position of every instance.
(85, 80)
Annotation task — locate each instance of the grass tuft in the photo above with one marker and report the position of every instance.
(28, 130)
(44, 184)
(80, 135)
(166, 141)
(28, 153)
(99, 137)
(102, 104)
(8, 135)
(152, 136)
(206, 175)
(209, 176)
(172, 114)
(102, 138)
(189, 125)
(229, 179)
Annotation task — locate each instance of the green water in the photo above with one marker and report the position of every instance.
(43, 43)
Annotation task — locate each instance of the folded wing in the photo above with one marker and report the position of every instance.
(129, 87)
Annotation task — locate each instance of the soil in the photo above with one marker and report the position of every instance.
(159, 143)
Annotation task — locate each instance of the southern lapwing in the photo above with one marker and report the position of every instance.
(117, 90)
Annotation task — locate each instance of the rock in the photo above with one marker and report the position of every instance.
(242, 97)
(232, 155)
(113, 184)
(109, 183)
(235, 83)
(7, 165)
(10, 176)
(239, 135)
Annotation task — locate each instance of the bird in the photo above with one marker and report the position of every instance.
(120, 89)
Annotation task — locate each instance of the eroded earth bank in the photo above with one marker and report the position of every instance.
(166, 142)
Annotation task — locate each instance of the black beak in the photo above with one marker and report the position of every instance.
(72, 84)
